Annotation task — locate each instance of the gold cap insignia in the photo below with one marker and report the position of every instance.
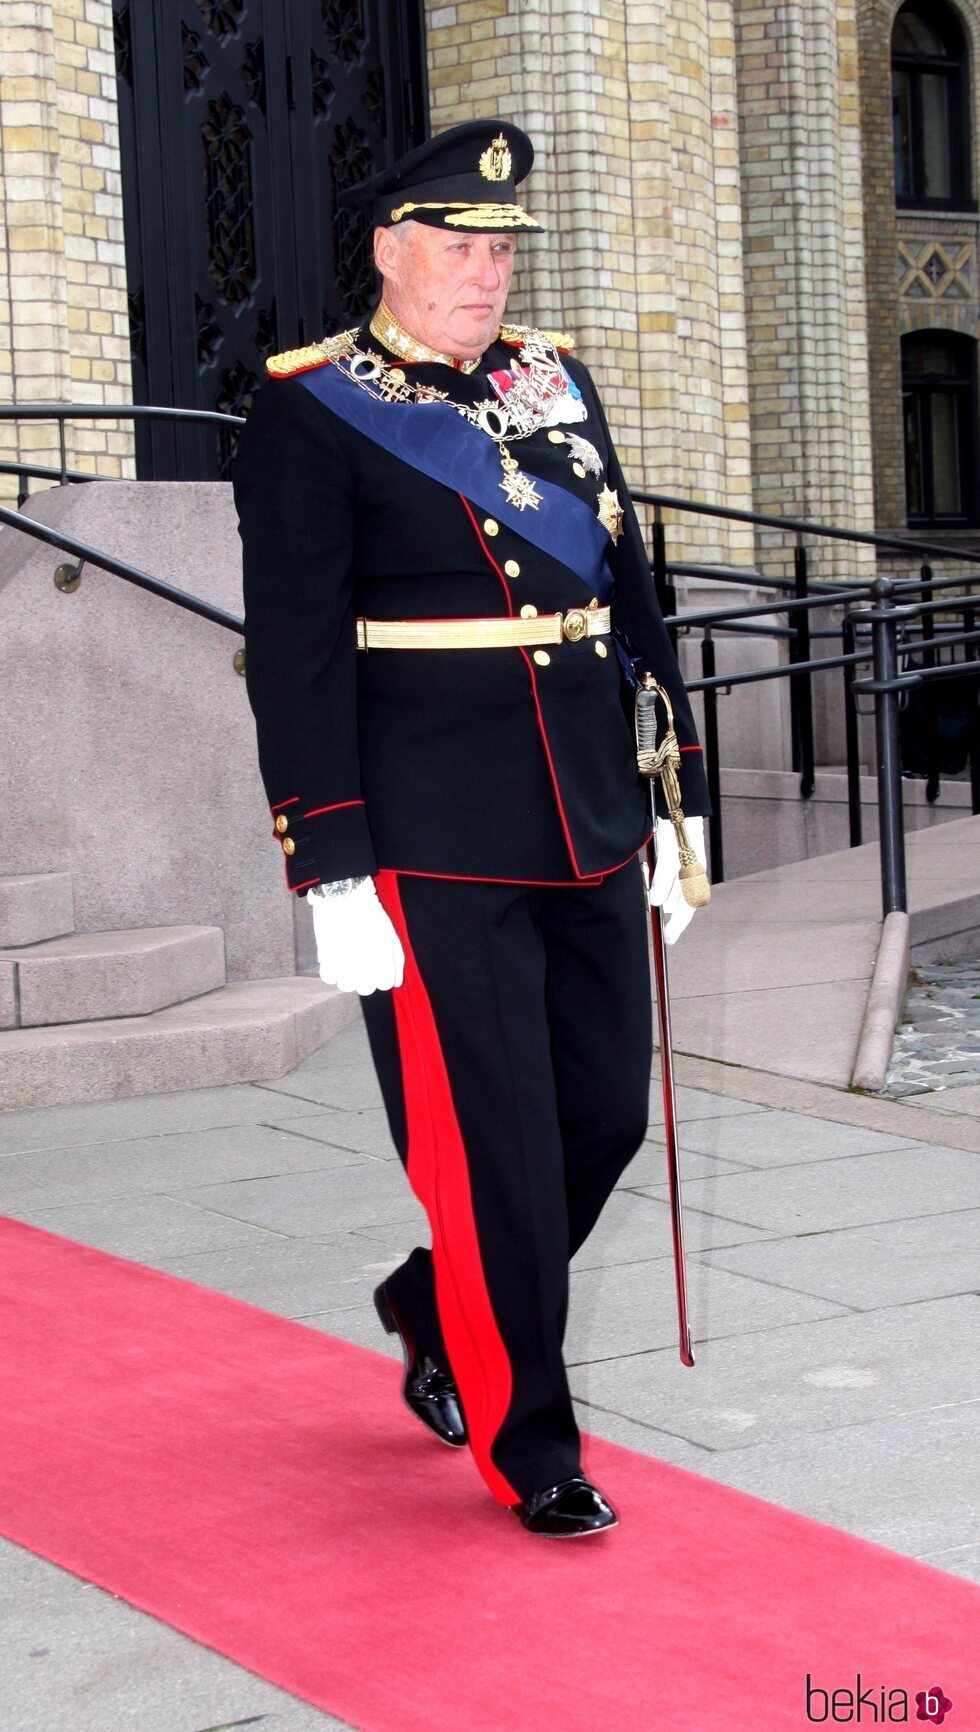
(496, 163)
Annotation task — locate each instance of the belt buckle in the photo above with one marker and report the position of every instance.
(575, 625)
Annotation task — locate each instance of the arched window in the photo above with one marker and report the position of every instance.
(930, 105)
(939, 392)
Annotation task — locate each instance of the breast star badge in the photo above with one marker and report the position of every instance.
(611, 513)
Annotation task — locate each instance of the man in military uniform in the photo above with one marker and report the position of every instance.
(446, 598)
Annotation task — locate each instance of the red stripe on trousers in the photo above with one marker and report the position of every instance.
(438, 1173)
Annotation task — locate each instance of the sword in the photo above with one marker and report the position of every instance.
(684, 1347)
(663, 762)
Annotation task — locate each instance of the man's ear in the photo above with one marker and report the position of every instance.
(385, 252)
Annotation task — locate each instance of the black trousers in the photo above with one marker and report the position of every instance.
(514, 1063)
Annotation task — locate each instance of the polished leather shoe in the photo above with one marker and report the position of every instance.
(428, 1390)
(569, 1510)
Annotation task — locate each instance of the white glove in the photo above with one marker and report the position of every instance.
(357, 947)
(665, 891)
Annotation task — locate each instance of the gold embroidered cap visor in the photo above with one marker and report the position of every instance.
(465, 180)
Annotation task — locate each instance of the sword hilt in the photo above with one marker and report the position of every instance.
(662, 763)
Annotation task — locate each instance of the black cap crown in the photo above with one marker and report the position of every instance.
(465, 179)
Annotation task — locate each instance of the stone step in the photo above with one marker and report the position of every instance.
(251, 1031)
(35, 906)
(87, 976)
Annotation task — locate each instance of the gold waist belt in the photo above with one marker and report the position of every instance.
(438, 634)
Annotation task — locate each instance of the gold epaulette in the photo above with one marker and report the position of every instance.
(521, 333)
(311, 355)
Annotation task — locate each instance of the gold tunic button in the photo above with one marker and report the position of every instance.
(288, 845)
(600, 649)
(579, 470)
(556, 437)
(512, 568)
(490, 526)
(282, 823)
(542, 658)
(529, 612)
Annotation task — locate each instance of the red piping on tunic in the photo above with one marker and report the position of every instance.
(339, 807)
(579, 874)
(439, 1175)
(588, 883)
(290, 802)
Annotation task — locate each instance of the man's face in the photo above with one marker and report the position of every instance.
(448, 290)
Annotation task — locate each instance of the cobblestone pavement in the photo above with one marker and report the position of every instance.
(937, 1043)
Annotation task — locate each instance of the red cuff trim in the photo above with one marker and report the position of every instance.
(690, 748)
(290, 802)
(305, 884)
(339, 807)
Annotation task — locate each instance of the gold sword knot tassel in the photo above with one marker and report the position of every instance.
(662, 763)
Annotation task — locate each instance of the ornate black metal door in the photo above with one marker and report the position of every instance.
(240, 122)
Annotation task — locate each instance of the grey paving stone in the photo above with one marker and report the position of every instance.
(75, 1659)
(634, 1227)
(141, 1228)
(348, 1048)
(365, 1131)
(645, 1439)
(852, 1191)
(695, 1104)
(140, 1116)
(359, 1325)
(926, 1257)
(959, 1560)
(649, 1164)
(908, 1482)
(632, 1307)
(765, 1138)
(307, 1205)
(350, 1090)
(803, 1377)
(291, 1277)
(168, 1162)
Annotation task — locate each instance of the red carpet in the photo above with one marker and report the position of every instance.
(259, 1486)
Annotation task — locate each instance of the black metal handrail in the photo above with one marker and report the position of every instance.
(62, 413)
(120, 568)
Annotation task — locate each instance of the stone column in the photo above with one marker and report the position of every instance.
(632, 109)
(802, 206)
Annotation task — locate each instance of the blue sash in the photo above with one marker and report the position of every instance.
(435, 439)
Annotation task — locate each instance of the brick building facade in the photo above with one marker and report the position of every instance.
(717, 179)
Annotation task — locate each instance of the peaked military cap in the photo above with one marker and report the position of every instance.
(465, 179)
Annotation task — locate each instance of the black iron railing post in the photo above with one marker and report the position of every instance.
(884, 638)
(62, 446)
(712, 766)
(801, 692)
(666, 593)
(972, 652)
(848, 646)
(931, 720)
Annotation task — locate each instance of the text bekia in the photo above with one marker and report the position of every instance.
(872, 1706)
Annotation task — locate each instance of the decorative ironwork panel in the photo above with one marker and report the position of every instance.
(223, 16)
(228, 200)
(323, 90)
(123, 44)
(253, 73)
(195, 63)
(343, 22)
(241, 121)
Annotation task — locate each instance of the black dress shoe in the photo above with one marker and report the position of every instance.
(428, 1390)
(568, 1510)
